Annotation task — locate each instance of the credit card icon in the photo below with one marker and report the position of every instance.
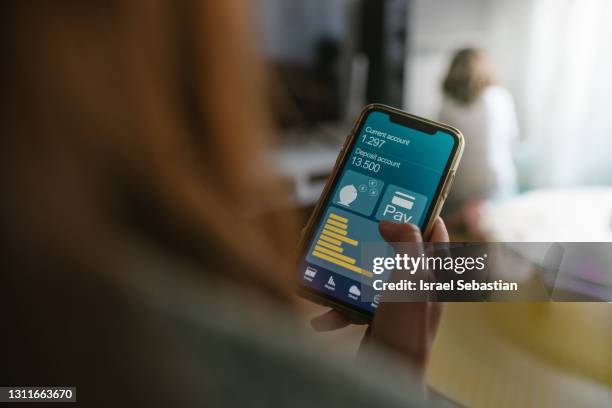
(403, 200)
(401, 205)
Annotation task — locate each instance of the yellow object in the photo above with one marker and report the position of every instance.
(525, 354)
(349, 241)
(330, 240)
(328, 245)
(335, 229)
(338, 218)
(335, 255)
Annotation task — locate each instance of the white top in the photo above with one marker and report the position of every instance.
(490, 128)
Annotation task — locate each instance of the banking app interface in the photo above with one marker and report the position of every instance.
(392, 173)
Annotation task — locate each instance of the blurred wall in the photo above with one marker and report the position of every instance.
(438, 27)
(553, 56)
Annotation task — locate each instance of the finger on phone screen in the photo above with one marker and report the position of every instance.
(397, 234)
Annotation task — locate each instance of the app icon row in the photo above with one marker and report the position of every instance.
(330, 284)
(360, 193)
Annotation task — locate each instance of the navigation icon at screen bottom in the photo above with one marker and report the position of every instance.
(310, 273)
(354, 292)
(331, 284)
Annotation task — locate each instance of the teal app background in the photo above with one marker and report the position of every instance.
(401, 205)
(403, 171)
(358, 192)
(423, 160)
(392, 172)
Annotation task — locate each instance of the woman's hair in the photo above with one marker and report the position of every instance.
(140, 122)
(470, 72)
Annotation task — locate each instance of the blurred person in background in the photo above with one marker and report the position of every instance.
(134, 267)
(485, 114)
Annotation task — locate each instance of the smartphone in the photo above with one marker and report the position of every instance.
(393, 166)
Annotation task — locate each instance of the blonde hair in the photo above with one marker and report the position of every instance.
(470, 72)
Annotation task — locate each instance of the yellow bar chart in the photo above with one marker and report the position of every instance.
(333, 237)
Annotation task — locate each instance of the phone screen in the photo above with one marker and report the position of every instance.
(392, 171)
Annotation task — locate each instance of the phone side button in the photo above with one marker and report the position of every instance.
(346, 141)
(448, 185)
(342, 149)
(339, 157)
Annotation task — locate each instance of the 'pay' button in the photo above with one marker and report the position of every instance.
(401, 205)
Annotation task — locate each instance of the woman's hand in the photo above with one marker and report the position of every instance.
(406, 329)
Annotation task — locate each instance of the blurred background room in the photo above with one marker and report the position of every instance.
(330, 57)
(544, 112)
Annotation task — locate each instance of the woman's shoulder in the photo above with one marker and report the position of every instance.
(158, 334)
(271, 362)
(234, 352)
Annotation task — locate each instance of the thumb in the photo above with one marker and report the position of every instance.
(395, 233)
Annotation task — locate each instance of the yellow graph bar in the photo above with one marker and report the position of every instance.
(335, 254)
(336, 223)
(340, 237)
(330, 240)
(330, 246)
(342, 264)
(338, 218)
(336, 230)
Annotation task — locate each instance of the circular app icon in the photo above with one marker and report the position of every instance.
(347, 195)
